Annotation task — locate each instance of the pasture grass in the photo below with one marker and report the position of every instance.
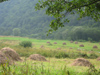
(59, 61)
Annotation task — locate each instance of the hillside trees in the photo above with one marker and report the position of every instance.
(59, 9)
(3, 0)
(16, 32)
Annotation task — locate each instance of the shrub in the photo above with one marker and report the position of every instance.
(84, 55)
(26, 44)
(90, 39)
(93, 56)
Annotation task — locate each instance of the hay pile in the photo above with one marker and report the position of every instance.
(55, 42)
(71, 41)
(10, 54)
(37, 57)
(81, 45)
(3, 59)
(81, 62)
(95, 46)
(76, 42)
(64, 43)
(98, 59)
(42, 46)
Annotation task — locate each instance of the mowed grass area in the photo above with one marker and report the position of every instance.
(58, 60)
(37, 43)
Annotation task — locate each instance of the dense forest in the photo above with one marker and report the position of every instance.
(19, 18)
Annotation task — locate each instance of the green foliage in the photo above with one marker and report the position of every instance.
(26, 44)
(93, 71)
(93, 56)
(16, 32)
(3, 0)
(34, 24)
(60, 8)
(90, 39)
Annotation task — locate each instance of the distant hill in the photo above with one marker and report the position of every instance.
(22, 15)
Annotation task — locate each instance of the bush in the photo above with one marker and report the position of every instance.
(93, 56)
(26, 44)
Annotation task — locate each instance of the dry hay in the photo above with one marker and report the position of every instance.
(76, 42)
(37, 57)
(71, 41)
(55, 42)
(95, 46)
(98, 59)
(58, 48)
(81, 62)
(42, 46)
(64, 43)
(81, 45)
(3, 59)
(70, 48)
(10, 53)
(48, 42)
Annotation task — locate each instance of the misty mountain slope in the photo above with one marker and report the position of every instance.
(22, 14)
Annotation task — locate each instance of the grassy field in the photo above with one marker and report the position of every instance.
(59, 57)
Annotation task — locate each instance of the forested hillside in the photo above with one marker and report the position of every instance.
(19, 18)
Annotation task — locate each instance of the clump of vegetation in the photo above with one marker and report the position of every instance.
(95, 46)
(26, 44)
(93, 56)
(93, 71)
(81, 45)
(64, 43)
(84, 55)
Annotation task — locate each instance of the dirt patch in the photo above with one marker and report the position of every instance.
(37, 57)
(81, 62)
(10, 53)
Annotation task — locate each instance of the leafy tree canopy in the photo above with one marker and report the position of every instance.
(3, 0)
(60, 8)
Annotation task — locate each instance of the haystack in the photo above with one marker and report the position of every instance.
(37, 57)
(55, 42)
(64, 43)
(3, 59)
(76, 42)
(98, 59)
(42, 46)
(10, 54)
(81, 62)
(81, 45)
(95, 46)
(71, 41)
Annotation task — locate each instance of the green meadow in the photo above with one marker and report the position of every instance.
(59, 57)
